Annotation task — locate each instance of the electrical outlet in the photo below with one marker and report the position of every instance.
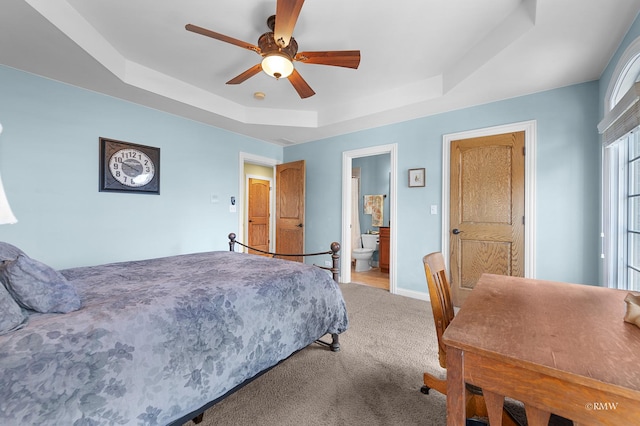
(327, 263)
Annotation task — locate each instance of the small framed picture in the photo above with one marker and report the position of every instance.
(416, 177)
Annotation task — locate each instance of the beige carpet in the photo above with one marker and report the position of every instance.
(374, 380)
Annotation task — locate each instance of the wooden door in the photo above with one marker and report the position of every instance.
(290, 190)
(258, 214)
(487, 210)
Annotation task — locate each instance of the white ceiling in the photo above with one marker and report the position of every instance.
(419, 57)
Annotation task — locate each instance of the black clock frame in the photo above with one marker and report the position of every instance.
(109, 184)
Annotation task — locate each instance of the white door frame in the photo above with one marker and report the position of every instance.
(245, 157)
(530, 138)
(345, 259)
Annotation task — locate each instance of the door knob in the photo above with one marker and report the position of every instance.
(299, 225)
(456, 231)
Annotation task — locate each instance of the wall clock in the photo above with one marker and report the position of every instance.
(129, 167)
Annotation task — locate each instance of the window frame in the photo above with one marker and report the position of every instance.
(621, 168)
(620, 128)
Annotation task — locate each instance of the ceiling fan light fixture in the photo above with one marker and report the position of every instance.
(277, 65)
(279, 52)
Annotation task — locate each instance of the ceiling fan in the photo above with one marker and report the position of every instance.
(279, 49)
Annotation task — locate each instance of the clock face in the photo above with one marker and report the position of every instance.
(131, 167)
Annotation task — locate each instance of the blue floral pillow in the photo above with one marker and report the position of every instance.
(38, 287)
(12, 317)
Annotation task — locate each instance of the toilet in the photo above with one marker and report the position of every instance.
(363, 255)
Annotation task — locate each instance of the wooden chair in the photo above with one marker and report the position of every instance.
(443, 313)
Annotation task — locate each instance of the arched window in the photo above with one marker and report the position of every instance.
(621, 172)
(625, 81)
(625, 75)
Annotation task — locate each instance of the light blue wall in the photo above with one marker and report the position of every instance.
(567, 171)
(49, 163)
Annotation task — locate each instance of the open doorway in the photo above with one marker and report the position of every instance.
(256, 168)
(281, 227)
(369, 216)
(258, 209)
(370, 194)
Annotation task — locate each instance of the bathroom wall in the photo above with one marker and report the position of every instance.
(374, 180)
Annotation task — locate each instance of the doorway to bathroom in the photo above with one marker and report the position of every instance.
(368, 222)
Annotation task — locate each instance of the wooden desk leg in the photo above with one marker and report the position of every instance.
(456, 397)
(495, 404)
(536, 417)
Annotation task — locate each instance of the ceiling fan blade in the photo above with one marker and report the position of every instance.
(246, 75)
(222, 37)
(301, 86)
(337, 58)
(287, 12)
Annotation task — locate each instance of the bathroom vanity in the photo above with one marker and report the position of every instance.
(384, 248)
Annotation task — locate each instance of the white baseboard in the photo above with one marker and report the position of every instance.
(413, 294)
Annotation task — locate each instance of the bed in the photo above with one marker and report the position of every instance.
(156, 342)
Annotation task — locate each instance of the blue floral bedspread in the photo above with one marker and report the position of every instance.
(158, 339)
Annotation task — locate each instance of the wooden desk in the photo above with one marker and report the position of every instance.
(557, 347)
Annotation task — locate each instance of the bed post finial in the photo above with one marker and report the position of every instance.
(335, 269)
(232, 242)
(335, 247)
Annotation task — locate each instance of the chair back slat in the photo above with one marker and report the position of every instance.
(440, 295)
